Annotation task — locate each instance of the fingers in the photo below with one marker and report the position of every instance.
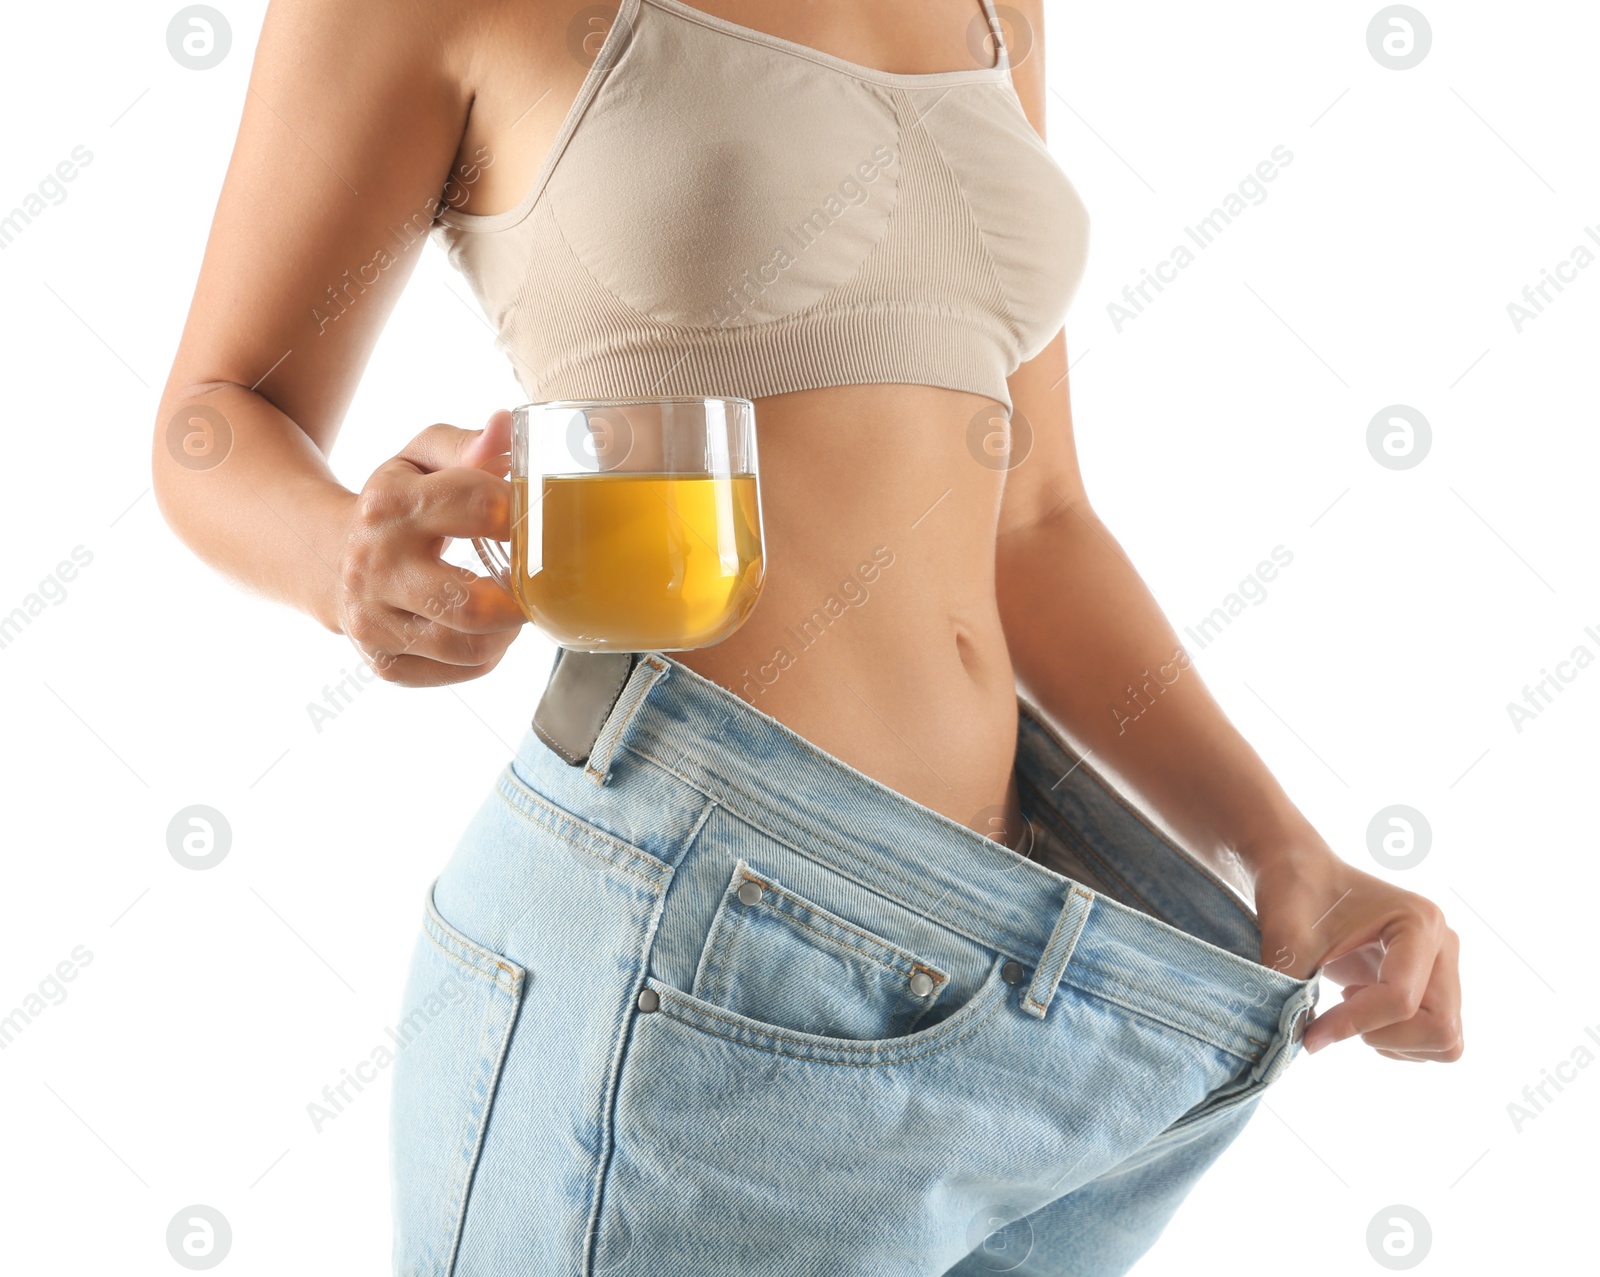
(457, 502)
(1434, 1032)
(407, 615)
(408, 670)
(462, 503)
(381, 568)
(453, 597)
(423, 591)
(1410, 949)
(415, 619)
(1388, 949)
(446, 482)
(392, 639)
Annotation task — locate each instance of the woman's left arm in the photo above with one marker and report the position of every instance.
(1091, 647)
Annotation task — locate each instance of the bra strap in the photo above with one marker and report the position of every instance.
(1002, 54)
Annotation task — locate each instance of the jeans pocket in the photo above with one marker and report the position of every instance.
(458, 1010)
(774, 956)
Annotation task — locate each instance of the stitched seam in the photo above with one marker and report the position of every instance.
(462, 1193)
(630, 348)
(453, 942)
(623, 1019)
(555, 223)
(851, 1064)
(845, 944)
(829, 842)
(1149, 1014)
(546, 814)
(556, 745)
(912, 959)
(857, 1064)
(1222, 955)
(731, 917)
(1129, 982)
(491, 976)
(1188, 1030)
(537, 823)
(1013, 327)
(721, 950)
(716, 338)
(693, 835)
(714, 935)
(1066, 946)
(577, 846)
(599, 731)
(955, 1022)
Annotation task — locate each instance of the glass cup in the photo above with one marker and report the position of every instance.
(635, 524)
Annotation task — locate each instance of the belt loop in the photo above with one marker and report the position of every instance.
(1292, 1020)
(648, 670)
(1058, 951)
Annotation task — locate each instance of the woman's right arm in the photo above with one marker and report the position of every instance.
(353, 117)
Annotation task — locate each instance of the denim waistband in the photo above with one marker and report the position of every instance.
(762, 771)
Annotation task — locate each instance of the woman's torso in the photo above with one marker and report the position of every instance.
(878, 635)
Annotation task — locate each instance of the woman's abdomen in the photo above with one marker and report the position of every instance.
(877, 636)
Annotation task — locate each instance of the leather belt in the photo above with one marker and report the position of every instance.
(578, 699)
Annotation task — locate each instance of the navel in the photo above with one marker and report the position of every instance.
(968, 651)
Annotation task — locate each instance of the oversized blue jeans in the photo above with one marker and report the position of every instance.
(717, 1003)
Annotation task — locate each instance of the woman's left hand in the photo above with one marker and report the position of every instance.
(1389, 949)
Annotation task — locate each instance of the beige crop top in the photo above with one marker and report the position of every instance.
(725, 212)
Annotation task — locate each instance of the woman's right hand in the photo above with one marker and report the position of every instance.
(416, 619)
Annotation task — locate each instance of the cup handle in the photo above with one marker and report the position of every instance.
(493, 554)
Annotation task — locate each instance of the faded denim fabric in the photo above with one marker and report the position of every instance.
(734, 1007)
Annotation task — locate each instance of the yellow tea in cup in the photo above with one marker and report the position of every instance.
(636, 523)
(643, 561)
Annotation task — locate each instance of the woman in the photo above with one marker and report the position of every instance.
(817, 956)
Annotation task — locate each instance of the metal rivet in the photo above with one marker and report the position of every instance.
(749, 893)
(921, 984)
(1012, 972)
(649, 1000)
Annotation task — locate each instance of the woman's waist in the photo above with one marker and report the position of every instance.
(917, 695)
(673, 737)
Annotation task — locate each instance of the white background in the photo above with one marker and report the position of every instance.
(1229, 418)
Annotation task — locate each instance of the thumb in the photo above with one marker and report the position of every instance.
(492, 442)
(441, 446)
